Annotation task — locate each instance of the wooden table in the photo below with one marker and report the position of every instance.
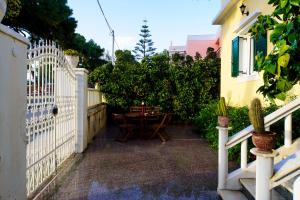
(142, 118)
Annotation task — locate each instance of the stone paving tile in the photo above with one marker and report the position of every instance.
(184, 168)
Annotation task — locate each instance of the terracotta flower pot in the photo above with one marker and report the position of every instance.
(3, 4)
(223, 121)
(264, 142)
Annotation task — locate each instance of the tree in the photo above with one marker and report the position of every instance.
(144, 48)
(281, 67)
(90, 53)
(41, 19)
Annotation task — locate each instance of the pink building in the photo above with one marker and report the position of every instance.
(200, 43)
(196, 43)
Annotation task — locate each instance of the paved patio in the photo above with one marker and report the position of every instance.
(184, 168)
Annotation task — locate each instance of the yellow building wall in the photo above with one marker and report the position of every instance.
(236, 90)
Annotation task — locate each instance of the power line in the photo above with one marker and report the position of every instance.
(108, 25)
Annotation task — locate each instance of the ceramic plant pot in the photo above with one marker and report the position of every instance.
(72, 60)
(223, 121)
(3, 4)
(264, 142)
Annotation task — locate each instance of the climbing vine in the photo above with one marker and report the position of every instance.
(281, 67)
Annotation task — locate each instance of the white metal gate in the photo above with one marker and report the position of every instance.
(50, 89)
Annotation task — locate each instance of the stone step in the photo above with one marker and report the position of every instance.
(289, 166)
(249, 189)
(232, 195)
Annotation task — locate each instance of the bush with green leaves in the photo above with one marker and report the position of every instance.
(281, 67)
(182, 86)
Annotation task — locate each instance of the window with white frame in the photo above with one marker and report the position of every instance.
(244, 50)
(246, 55)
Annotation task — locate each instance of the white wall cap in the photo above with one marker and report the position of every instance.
(6, 30)
(226, 8)
(81, 70)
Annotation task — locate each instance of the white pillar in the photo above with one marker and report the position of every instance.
(223, 157)
(81, 107)
(296, 189)
(264, 171)
(244, 154)
(13, 72)
(288, 131)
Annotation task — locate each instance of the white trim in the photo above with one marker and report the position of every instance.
(226, 7)
(245, 78)
(13, 34)
(247, 22)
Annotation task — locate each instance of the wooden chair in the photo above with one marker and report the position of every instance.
(136, 109)
(155, 109)
(126, 128)
(159, 129)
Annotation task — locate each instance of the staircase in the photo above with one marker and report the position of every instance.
(274, 176)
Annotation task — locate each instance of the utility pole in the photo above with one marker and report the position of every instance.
(113, 48)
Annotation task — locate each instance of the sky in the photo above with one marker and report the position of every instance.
(168, 20)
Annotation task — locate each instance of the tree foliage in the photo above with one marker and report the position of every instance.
(144, 48)
(44, 19)
(281, 66)
(41, 19)
(182, 86)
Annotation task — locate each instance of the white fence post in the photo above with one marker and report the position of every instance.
(264, 171)
(296, 189)
(81, 107)
(288, 130)
(13, 52)
(223, 158)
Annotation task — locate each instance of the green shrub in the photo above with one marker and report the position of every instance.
(71, 52)
(181, 86)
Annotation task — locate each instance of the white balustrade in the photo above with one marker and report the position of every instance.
(263, 163)
(264, 171)
(244, 154)
(223, 157)
(296, 189)
(288, 130)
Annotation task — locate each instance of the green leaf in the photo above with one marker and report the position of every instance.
(283, 60)
(290, 27)
(292, 37)
(295, 2)
(281, 96)
(270, 68)
(284, 85)
(283, 3)
(283, 49)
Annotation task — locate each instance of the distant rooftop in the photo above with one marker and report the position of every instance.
(177, 48)
(202, 37)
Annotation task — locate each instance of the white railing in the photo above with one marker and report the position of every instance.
(94, 97)
(51, 84)
(241, 137)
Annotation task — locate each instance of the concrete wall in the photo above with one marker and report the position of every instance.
(97, 118)
(13, 51)
(238, 91)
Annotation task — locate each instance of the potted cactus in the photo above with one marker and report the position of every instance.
(223, 119)
(263, 140)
